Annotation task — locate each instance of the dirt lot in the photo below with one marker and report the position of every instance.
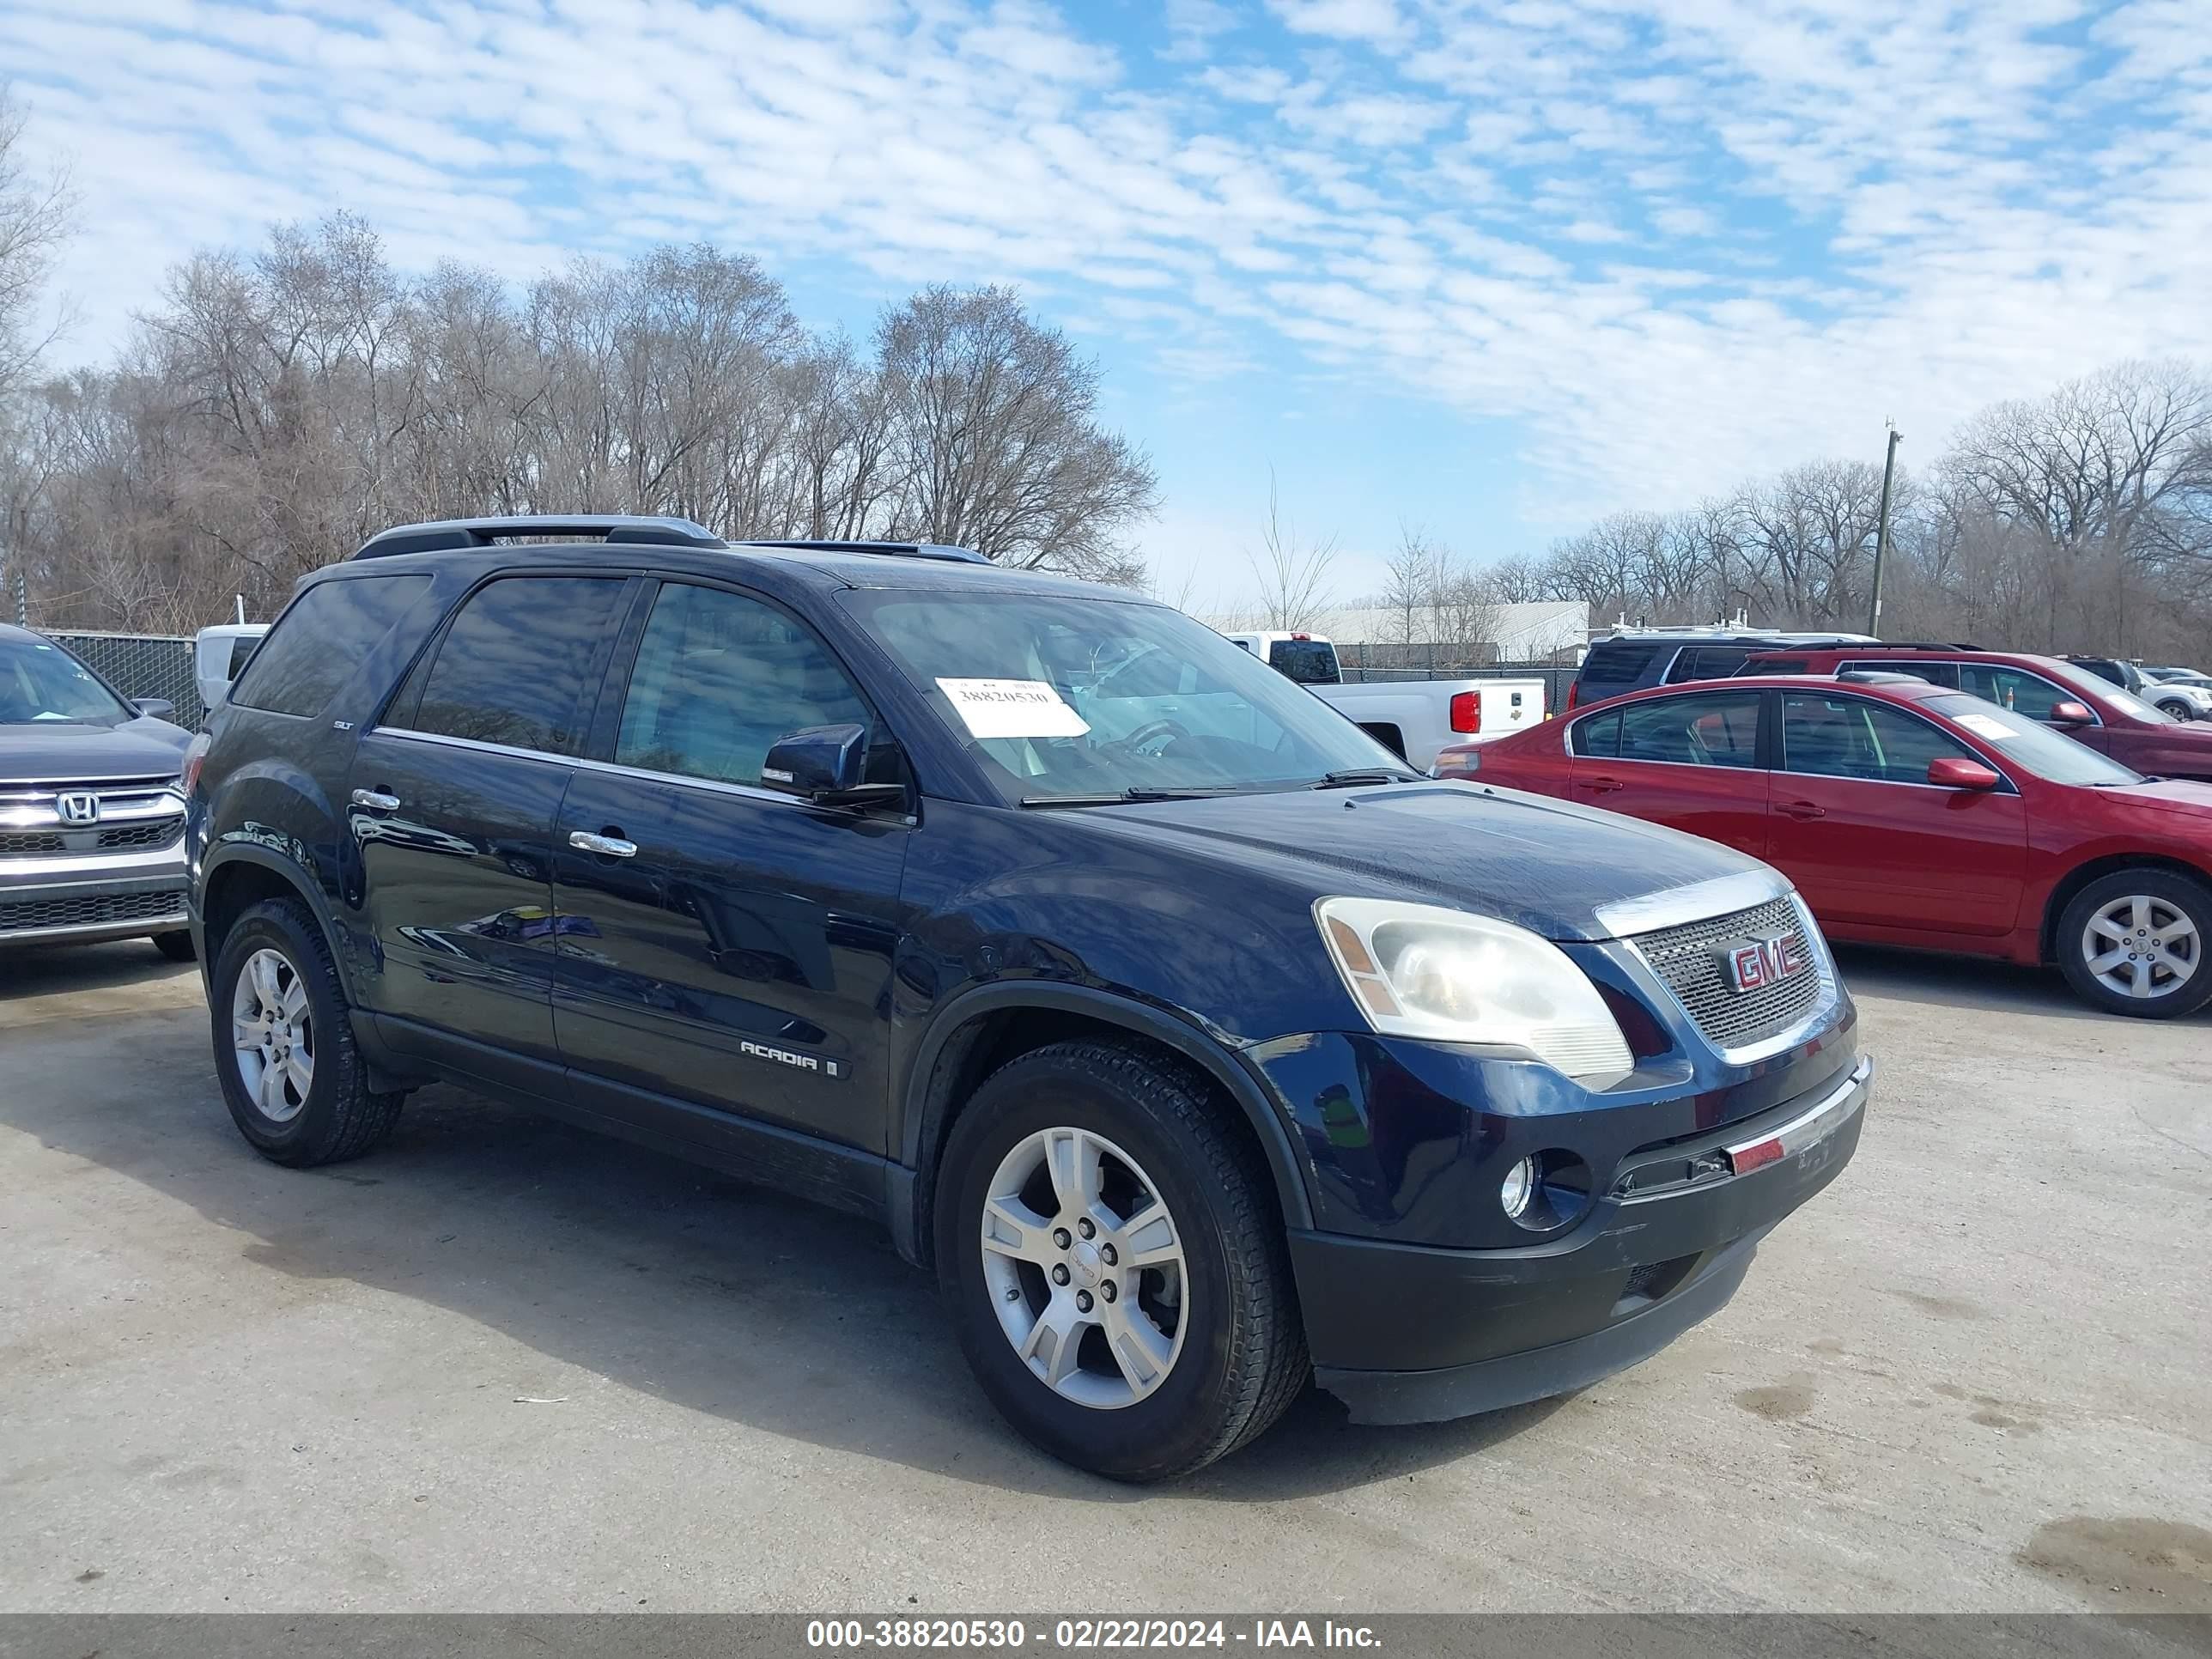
(502, 1366)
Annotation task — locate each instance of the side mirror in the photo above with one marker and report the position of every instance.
(823, 765)
(2070, 712)
(157, 708)
(1949, 771)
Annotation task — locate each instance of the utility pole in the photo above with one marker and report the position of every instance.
(1882, 532)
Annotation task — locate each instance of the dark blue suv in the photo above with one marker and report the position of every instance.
(1197, 1046)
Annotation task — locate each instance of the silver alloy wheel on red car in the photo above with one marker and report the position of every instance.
(272, 1029)
(2140, 945)
(1085, 1267)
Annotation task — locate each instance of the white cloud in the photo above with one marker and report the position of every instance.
(1666, 241)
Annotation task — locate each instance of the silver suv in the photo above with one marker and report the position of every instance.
(92, 806)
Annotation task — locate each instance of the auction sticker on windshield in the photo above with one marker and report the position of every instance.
(1987, 725)
(1012, 709)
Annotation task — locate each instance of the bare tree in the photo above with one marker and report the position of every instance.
(36, 208)
(1411, 573)
(1293, 575)
(996, 440)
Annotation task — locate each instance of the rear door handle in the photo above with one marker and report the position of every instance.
(1801, 809)
(610, 847)
(1601, 785)
(376, 801)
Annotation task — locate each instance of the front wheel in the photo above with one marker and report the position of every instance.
(296, 1085)
(2136, 942)
(1110, 1254)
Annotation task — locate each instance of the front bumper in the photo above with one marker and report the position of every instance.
(97, 897)
(1407, 1334)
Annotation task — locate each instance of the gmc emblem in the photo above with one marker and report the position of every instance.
(1754, 964)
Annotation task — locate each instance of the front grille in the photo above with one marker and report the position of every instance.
(57, 843)
(1689, 959)
(160, 833)
(88, 910)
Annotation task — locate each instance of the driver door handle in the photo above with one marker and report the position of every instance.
(1601, 785)
(610, 847)
(1801, 810)
(376, 801)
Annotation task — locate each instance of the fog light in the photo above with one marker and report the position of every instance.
(1520, 1185)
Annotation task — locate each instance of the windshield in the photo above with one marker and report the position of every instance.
(2119, 696)
(1082, 697)
(41, 683)
(2034, 747)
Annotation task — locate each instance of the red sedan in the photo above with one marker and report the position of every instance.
(1911, 814)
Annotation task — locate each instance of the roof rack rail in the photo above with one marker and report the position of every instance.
(449, 535)
(889, 550)
(1881, 677)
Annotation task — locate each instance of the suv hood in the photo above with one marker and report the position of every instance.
(1545, 865)
(63, 751)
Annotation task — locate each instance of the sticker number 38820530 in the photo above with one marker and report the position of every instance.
(1012, 709)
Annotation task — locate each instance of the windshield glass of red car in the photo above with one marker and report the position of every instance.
(2034, 748)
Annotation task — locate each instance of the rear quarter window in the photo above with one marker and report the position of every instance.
(322, 637)
(1618, 666)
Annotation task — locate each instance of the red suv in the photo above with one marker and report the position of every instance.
(2110, 719)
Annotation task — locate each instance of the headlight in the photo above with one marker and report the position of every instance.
(1420, 971)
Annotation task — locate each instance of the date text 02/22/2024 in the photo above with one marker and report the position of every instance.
(1082, 1635)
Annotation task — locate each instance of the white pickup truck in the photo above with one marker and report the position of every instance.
(1414, 719)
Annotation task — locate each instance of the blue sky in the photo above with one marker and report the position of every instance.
(1489, 269)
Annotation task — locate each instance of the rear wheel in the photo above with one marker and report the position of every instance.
(296, 1085)
(1113, 1263)
(2136, 942)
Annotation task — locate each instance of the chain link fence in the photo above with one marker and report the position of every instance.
(1363, 663)
(143, 666)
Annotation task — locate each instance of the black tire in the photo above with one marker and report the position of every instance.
(1243, 1355)
(340, 1116)
(2171, 893)
(177, 945)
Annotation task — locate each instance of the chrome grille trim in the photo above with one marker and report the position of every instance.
(1701, 901)
(1742, 1027)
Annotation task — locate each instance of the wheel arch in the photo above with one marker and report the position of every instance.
(984, 1028)
(237, 877)
(2063, 890)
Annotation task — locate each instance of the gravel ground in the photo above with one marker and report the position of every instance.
(500, 1365)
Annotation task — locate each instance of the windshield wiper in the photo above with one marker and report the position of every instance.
(1121, 797)
(1354, 776)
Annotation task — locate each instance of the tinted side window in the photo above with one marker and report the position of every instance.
(2012, 688)
(1849, 737)
(719, 678)
(1772, 666)
(1717, 730)
(1611, 667)
(321, 639)
(512, 668)
(1707, 662)
(1599, 735)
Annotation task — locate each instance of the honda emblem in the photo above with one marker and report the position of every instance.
(1754, 964)
(77, 806)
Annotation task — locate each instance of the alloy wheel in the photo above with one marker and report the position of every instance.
(272, 1031)
(1083, 1265)
(2141, 946)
